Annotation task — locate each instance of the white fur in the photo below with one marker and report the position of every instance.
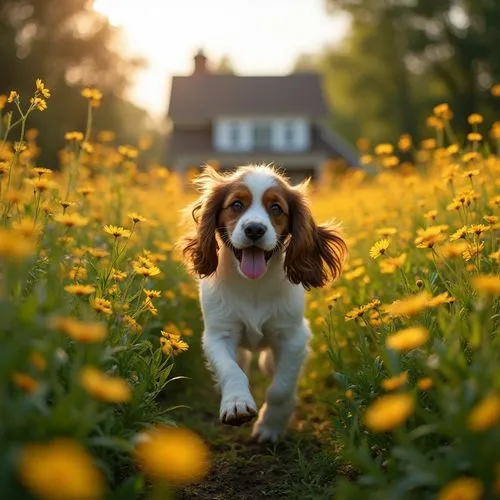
(254, 315)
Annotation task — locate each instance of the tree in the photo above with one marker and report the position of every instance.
(68, 45)
(450, 45)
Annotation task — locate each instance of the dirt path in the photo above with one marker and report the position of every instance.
(296, 468)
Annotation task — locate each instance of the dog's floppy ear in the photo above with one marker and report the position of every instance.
(314, 254)
(200, 248)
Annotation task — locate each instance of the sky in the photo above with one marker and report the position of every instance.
(259, 37)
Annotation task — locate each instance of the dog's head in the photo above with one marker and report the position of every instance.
(256, 213)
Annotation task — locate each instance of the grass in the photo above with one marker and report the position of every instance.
(401, 394)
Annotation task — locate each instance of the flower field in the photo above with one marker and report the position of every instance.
(96, 308)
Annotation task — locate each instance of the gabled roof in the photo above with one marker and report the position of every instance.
(203, 97)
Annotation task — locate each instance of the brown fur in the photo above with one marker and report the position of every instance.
(200, 248)
(314, 253)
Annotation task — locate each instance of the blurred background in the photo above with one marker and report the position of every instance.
(383, 64)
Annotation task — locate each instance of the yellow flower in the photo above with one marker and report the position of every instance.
(474, 137)
(388, 412)
(132, 323)
(495, 90)
(13, 95)
(169, 294)
(405, 143)
(60, 470)
(116, 231)
(102, 305)
(485, 414)
(79, 330)
(442, 298)
(3, 101)
(146, 271)
(41, 171)
(12, 247)
(425, 383)
(391, 264)
(177, 456)
(478, 229)
(491, 219)
(105, 387)
(152, 294)
(41, 184)
(79, 289)
(463, 488)
(384, 149)
(393, 383)
(443, 111)
(71, 220)
(379, 248)
(74, 136)
(93, 95)
(409, 306)
(471, 251)
(475, 119)
(427, 238)
(407, 339)
(386, 231)
(42, 89)
(118, 275)
(459, 233)
(39, 103)
(135, 217)
(25, 382)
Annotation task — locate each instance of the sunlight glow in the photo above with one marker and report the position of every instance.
(259, 36)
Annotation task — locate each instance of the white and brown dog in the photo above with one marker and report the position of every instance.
(256, 249)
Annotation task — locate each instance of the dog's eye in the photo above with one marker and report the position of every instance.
(275, 209)
(237, 205)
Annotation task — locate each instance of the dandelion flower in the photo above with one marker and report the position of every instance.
(459, 234)
(407, 339)
(39, 103)
(393, 383)
(136, 218)
(79, 289)
(102, 305)
(59, 470)
(78, 330)
(463, 488)
(485, 414)
(13, 95)
(478, 229)
(409, 306)
(152, 294)
(379, 248)
(442, 298)
(71, 220)
(74, 136)
(424, 384)
(475, 119)
(389, 412)
(105, 387)
(42, 89)
(117, 232)
(12, 247)
(177, 456)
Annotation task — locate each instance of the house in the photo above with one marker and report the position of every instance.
(235, 120)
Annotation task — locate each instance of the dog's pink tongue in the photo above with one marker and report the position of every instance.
(253, 262)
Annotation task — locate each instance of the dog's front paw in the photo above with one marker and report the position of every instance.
(266, 434)
(237, 410)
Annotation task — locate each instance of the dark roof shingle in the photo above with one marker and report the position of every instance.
(202, 97)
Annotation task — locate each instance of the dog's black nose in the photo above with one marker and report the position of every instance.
(255, 230)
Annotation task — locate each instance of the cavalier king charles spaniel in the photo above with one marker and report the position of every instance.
(256, 249)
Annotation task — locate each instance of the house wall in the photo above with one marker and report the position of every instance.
(239, 134)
